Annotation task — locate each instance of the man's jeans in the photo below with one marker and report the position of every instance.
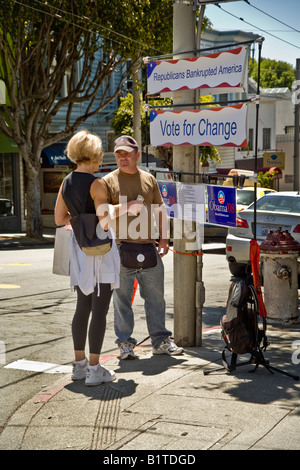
(151, 284)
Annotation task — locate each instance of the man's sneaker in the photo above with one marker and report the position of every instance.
(97, 375)
(126, 351)
(79, 369)
(167, 347)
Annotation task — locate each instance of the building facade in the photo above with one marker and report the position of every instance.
(54, 165)
(275, 139)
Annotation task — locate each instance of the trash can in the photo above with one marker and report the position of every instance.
(279, 253)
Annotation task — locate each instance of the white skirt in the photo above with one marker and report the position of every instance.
(87, 272)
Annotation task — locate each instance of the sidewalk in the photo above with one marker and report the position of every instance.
(167, 404)
(19, 240)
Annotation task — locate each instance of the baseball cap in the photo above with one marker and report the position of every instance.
(126, 142)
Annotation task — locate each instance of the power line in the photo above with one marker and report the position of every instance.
(270, 16)
(255, 26)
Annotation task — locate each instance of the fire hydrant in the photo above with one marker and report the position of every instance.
(279, 253)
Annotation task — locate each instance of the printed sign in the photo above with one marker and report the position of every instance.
(220, 70)
(191, 202)
(184, 201)
(169, 194)
(223, 126)
(221, 204)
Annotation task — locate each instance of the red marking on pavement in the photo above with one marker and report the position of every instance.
(45, 395)
(52, 390)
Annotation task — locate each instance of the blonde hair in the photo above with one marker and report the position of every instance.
(85, 147)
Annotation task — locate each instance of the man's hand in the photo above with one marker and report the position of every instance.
(163, 247)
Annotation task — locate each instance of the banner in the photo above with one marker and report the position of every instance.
(221, 126)
(220, 70)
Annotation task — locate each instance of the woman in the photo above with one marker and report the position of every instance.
(93, 277)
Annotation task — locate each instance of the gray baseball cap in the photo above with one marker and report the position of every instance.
(126, 142)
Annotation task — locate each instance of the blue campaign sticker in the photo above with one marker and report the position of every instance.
(221, 205)
(169, 195)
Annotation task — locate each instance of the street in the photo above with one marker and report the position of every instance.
(36, 312)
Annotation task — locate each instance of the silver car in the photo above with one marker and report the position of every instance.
(274, 210)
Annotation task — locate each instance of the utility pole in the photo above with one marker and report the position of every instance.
(200, 289)
(296, 132)
(185, 267)
(137, 131)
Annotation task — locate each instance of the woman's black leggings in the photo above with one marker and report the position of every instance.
(86, 304)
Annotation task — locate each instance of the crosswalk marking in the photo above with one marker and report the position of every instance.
(35, 366)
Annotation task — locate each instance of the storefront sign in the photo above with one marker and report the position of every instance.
(223, 126)
(272, 159)
(220, 70)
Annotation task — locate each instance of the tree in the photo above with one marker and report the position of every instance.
(266, 179)
(273, 73)
(41, 45)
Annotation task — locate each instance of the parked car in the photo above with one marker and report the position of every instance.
(245, 196)
(278, 209)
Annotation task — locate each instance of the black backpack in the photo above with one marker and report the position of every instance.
(238, 326)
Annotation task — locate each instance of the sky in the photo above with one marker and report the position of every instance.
(264, 17)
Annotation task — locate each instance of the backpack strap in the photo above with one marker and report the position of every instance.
(232, 366)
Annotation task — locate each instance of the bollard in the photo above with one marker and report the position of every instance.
(279, 253)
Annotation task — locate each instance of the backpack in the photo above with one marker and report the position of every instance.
(238, 325)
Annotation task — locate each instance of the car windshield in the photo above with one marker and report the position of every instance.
(244, 197)
(278, 204)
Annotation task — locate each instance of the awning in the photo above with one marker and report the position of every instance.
(278, 172)
(54, 155)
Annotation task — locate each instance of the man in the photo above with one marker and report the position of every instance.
(135, 195)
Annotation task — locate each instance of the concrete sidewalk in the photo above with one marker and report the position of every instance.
(19, 240)
(168, 404)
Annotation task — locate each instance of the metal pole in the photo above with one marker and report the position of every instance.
(296, 132)
(256, 134)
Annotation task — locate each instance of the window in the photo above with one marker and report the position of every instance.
(250, 140)
(6, 185)
(266, 138)
(223, 97)
(289, 129)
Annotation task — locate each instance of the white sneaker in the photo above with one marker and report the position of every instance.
(167, 347)
(79, 369)
(126, 351)
(97, 375)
